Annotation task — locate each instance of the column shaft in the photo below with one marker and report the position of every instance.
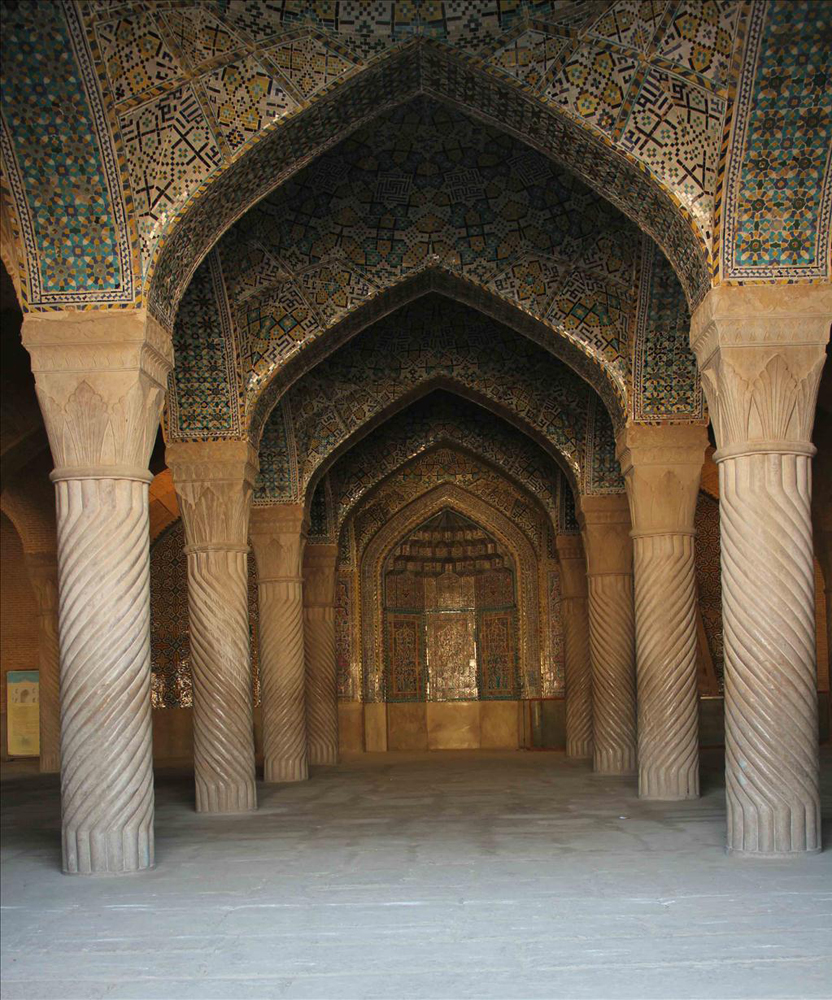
(761, 350)
(771, 721)
(283, 680)
(100, 379)
(662, 467)
(666, 667)
(278, 535)
(319, 628)
(221, 669)
(605, 523)
(214, 481)
(576, 640)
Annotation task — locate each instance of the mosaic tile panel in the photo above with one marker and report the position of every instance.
(494, 95)
(701, 38)
(135, 54)
(61, 168)
(203, 401)
(426, 183)
(278, 475)
(438, 466)
(708, 577)
(428, 342)
(593, 84)
(666, 384)
(602, 473)
(778, 187)
(171, 149)
(678, 125)
(667, 113)
(441, 418)
(553, 676)
(343, 634)
(244, 99)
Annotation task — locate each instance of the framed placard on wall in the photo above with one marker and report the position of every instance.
(22, 722)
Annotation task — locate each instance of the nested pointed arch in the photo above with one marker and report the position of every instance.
(389, 306)
(412, 353)
(415, 511)
(456, 80)
(441, 420)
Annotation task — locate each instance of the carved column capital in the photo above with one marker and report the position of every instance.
(319, 563)
(761, 349)
(278, 534)
(662, 467)
(572, 565)
(101, 378)
(605, 528)
(214, 482)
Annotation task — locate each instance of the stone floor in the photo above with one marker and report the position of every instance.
(488, 875)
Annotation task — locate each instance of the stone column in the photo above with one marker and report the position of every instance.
(319, 637)
(605, 525)
(278, 534)
(760, 349)
(573, 584)
(662, 467)
(214, 482)
(100, 378)
(42, 569)
(822, 514)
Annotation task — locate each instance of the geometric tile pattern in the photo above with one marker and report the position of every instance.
(60, 164)
(445, 464)
(426, 185)
(203, 397)
(443, 418)
(420, 347)
(602, 473)
(778, 189)
(171, 147)
(613, 87)
(666, 384)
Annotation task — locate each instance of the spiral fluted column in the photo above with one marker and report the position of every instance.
(605, 525)
(278, 534)
(319, 631)
(761, 350)
(214, 482)
(662, 466)
(100, 380)
(572, 564)
(42, 569)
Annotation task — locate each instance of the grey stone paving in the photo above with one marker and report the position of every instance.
(487, 875)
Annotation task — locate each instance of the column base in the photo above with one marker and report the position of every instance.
(111, 852)
(323, 755)
(735, 852)
(277, 771)
(579, 751)
(221, 799)
(667, 788)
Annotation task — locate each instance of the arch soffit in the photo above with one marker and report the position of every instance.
(436, 423)
(337, 401)
(180, 236)
(453, 467)
(434, 280)
(371, 560)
